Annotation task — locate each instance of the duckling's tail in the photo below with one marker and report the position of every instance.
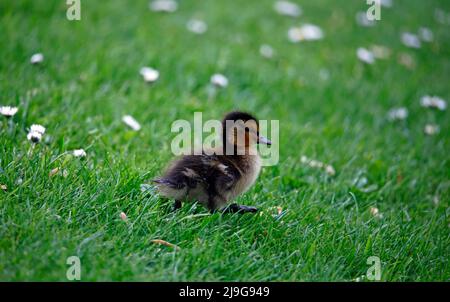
(167, 182)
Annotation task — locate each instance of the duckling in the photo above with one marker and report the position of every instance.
(217, 176)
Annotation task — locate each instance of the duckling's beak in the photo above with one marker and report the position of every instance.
(264, 140)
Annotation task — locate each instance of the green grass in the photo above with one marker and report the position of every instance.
(90, 79)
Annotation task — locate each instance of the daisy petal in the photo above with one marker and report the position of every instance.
(400, 113)
(131, 122)
(287, 8)
(149, 74)
(307, 32)
(37, 58)
(8, 111)
(166, 6)
(410, 40)
(79, 153)
(197, 26)
(219, 80)
(365, 55)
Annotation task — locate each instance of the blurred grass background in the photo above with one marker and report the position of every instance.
(331, 107)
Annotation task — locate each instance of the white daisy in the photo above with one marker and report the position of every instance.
(149, 74)
(37, 58)
(34, 136)
(266, 51)
(329, 169)
(79, 153)
(123, 216)
(315, 163)
(365, 55)
(399, 113)
(410, 40)
(287, 8)
(131, 122)
(166, 6)
(197, 26)
(433, 102)
(426, 34)
(375, 212)
(431, 129)
(312, 32)
(8, 111)
(53, 172)
(37, 128)
(219, 80)
(306, 32)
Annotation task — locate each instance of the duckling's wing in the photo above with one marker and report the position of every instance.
(222, 177)
(186, 171)
(226, 176)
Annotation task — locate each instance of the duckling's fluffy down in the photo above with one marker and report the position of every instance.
(212, 180)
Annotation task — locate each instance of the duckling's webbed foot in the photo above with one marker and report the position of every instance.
(241, 209)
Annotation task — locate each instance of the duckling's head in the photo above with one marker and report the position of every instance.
(241, 130)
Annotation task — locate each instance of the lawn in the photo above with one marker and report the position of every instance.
(388, 198)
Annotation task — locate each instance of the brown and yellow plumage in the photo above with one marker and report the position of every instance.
(216, 178)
